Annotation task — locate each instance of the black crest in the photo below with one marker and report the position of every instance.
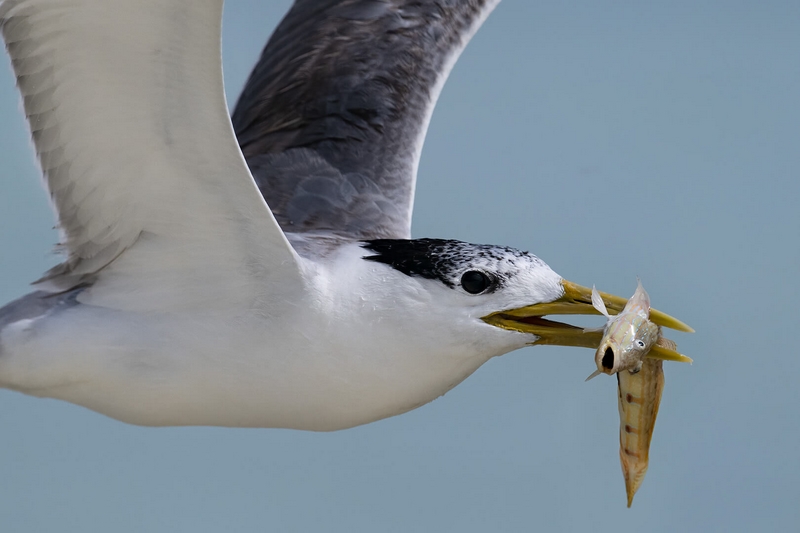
(445, 260)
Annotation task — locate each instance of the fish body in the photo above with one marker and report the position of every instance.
(639, 396)
(633, 348)
(627, 337)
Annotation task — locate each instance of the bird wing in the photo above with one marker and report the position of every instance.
(127, 112)
(334, 115)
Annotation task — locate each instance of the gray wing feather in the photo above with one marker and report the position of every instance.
(333, 117)
(36, 305)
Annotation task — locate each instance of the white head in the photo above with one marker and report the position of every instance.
(484, 297)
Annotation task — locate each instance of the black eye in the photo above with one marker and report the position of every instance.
(475, 282)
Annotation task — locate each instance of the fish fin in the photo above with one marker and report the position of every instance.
(594, 330)
(597, 303)
(593, 375)
(639, 302)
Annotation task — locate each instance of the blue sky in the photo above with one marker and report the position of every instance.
(558, 122)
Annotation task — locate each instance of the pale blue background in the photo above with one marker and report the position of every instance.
(557, 122)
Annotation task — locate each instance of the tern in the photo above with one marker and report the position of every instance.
(255, 271)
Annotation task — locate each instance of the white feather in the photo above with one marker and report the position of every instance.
(127, 110)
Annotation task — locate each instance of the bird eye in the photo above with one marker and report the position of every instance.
(475, 282)
(640, 343)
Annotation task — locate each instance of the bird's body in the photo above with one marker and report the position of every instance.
(327, 356)
(185, 300)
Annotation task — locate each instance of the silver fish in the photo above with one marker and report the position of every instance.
(632, 348)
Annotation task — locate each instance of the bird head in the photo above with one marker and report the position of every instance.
(500, 293)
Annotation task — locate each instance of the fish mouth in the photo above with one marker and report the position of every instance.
(577, 300)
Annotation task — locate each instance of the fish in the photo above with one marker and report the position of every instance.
(633, 348)
(627, 337)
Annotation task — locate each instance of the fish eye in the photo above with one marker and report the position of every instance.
(475, 281)
(640, 343)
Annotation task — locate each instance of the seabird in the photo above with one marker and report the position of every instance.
(269, 282)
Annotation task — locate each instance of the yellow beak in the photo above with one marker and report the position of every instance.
(577, 300)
